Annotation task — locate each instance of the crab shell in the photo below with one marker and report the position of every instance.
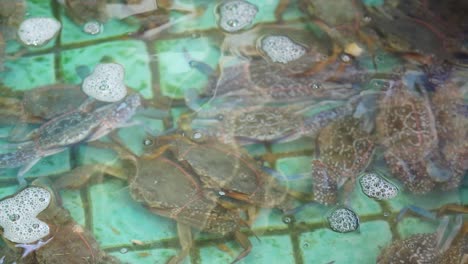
(154, 184)
(345, 151)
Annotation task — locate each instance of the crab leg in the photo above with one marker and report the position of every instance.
(185, 240)
(244, 241)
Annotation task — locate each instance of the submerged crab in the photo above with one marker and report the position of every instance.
(345, 150)
(208, 196)
(253, 124)
(40, 104)
(411, 29)
(431, 247)
(81, 125)
(425, 143)
(67, 242)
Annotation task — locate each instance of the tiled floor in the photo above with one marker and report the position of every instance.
(158, 68)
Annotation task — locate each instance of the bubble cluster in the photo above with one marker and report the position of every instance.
(18, 215)
(282, 49)
(106, 83)
(38, 31)
(377, 187)
(343, 220)
(92, 28)
(236, 14)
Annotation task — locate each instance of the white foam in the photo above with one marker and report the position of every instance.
(343, 220)
(92, 28)
(377, 187)
(106, 83)
(18, 215)
(38, 31)
(282, 49)
(236, 15)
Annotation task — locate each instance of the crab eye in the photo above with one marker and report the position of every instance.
(197, 135)
(220, 117)
(147, 142)
(346, 58)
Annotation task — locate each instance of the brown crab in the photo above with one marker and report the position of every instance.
(68, 242)
(202, 200)
(408, 128)
(412, 30)
(345, 150)
(229, 171)
(431, 247)
(40, 104)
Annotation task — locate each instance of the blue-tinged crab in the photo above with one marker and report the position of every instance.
(81, 125)
(258, 81)
(437, 247)
(425, 141)
(253, 124)
(68, 242)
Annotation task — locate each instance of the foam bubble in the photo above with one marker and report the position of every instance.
(377, 187)
(18, 215)
(236, 15)
(343, 220)
(282, 49)
(38, 31)
(106, 83)
(92, 28)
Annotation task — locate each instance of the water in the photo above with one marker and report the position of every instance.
(341, 121)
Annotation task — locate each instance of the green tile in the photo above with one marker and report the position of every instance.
(71, 200)
(73, 33)
(301, 144)
(29, 72)
(428, 201)
(118, 219)
(146, 256)
(326, 246)
(174, 71)
(411, 225)
(300, 167)
(132, 54)
(7, 191)
(269, 219)
(362, 204)
(270, 249)
(256, 150)
(313, 213)
(92, 155)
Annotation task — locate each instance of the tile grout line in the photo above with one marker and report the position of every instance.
(56, 49)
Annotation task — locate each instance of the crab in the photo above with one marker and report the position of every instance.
(344, 151)
(431, 247)
(68, 242)
(425, 146)
(40, 104)
(411, 29)
(264, 123)
(84, 11)
(228, 170)
(81, 125)
(214, 181)
(259, 82)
